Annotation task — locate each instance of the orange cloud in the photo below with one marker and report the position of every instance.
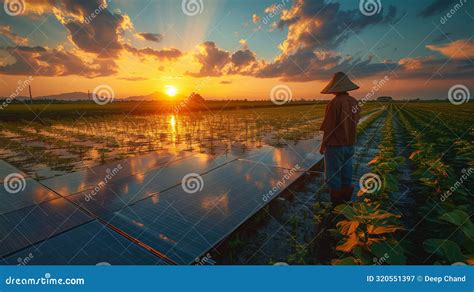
(5, 30)
(413, 64)
(256, 18)
(460, 49)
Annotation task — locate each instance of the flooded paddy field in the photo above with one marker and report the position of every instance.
(50, 147)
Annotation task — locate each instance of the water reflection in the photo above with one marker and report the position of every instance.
(221, 202)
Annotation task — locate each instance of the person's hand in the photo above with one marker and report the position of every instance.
(322, 149)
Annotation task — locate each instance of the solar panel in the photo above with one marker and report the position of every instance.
(88, 244)
(27, 226)
(7, 169)
(31, 194)
(305, 154)
(79, 181)
(125, 191)
(185, 225)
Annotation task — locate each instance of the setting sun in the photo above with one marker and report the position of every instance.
(171, 90)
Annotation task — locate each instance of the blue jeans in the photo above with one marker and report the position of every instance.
(338, 166)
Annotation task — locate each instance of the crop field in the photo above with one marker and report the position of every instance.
(56, 146)
(414, 202)
(413, 175)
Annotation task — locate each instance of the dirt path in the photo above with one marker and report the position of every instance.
(288, 230)
(366, 149)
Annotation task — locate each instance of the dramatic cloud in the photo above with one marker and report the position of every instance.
(5, 31)
(93, 29)
(460, 49)
(92, 26)
(319, 25)
(40, 61)
(152, 37)
(212, 60)
(217, 62)
(434, 68)
(164, 54)
(436, 7)
(315, 30)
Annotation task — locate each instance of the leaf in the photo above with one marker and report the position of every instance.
(373, 161)
(347, 227)
(444, 248)
(350, 243)
(391, 252)
(457, 217)
(362, 256)
(469, 231)
(346, 210)
(399, 159)
(414, 155)
(460, 219)
(371, 229)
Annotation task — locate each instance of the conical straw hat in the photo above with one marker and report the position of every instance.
(339, 83)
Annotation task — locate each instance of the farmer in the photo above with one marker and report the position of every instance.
(339, 127)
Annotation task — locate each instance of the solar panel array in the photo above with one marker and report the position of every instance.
(143, 214)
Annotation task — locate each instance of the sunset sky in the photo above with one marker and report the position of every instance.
(236, 48)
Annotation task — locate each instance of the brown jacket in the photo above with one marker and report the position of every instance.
(340, 121)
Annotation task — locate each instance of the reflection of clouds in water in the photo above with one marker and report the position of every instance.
(155, 199)
(166, 238)
(221, 202)
(260, 185)
(137, 223)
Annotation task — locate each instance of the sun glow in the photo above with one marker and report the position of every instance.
(171, 90)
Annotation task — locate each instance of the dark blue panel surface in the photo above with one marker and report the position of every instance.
(185, 225)
(125, 191)
(305, 154)
(27, 226)
(90, 178)
(88, 244)
(32, 193)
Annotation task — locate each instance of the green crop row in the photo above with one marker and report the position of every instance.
(367, 231)
(443, 203)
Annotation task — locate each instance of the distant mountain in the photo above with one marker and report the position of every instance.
(71, 96)
(75, 96)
